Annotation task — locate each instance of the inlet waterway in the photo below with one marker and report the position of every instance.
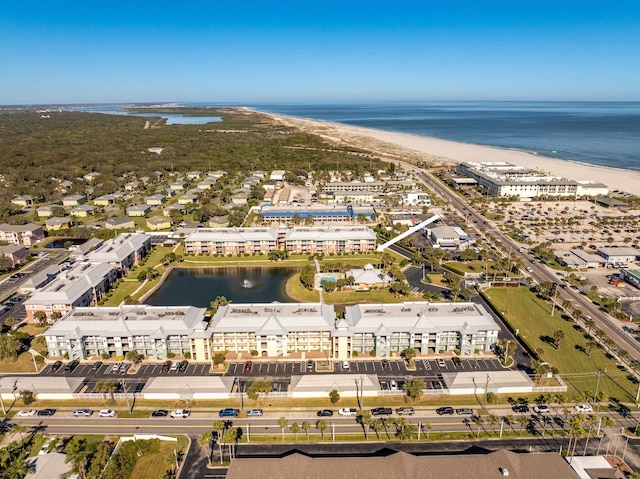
(199, 286)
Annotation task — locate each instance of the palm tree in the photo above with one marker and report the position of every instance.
(106, 387)
(427, 426)
(592, 420)
(376, 425)
(558, 335)
(230, 438)
(204, 440)
(523, 421)
(509, 420)
(386, 422)
(282, 422)
(322, 426)
(401, 424)
(218, 426)
(295, 429)
(493, 421)
(589, 323)
(305, 427)
(590, 345)
(479, 422)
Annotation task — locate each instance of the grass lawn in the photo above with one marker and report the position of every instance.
(532, 317)
(374, 296)
(33, 329)
(472, 266)
(437, 279)
(24, 364)
(299, 292)
(155, 465)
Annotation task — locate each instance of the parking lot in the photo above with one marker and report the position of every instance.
(144, 371)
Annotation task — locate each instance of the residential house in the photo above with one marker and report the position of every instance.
(138, 210)
(24, 201)
(82, 211)
(173, 207)
(105, 200)
(158, 223)
(155, 200)
(452, 238)
(119, 223)
(368, 277)
(57, 223)
(46, 211)
(277, 175)
(74, 200)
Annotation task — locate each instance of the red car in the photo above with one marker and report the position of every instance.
(247, 366)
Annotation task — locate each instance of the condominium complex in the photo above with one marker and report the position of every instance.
(358, 239)
(296, 240)
(123, 252)
(26, 235)
(316, 213)
(152, 331)
(426, 327)
(232, 241)
(280, 329)
(505, 179)
(83, 285)
(274, 330)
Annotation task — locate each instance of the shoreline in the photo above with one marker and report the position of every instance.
(413, 146)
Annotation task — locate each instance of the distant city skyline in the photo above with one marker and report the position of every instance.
(307, 51)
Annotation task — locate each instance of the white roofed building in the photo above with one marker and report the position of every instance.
(275, 329)
(232, 241)
(83, 285)
(26, 235)
(152, 331)
(123, 252)
(451, 238)
(348, 239)
(427, 327)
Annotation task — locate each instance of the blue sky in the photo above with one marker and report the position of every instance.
(57, 51)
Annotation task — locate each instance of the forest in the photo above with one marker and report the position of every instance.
(37, 153)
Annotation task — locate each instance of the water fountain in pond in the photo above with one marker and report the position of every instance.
(247, 284)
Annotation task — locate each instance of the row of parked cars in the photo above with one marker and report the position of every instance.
(378, 411)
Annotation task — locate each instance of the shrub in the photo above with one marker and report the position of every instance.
(171, 355)
(106, 356)
(187, 355)
(254, 352)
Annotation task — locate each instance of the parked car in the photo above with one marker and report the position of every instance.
(247, 366)
(405, 411)
(71, 365)
(385, 363)
(583, 408)
(107, 413)
(441, 363)
(160, 413)
(174, 367)
(345, 364)
(166, 366)
(116, 367)
(347, 411)
(97, 365)
(324, 413)
(228, 412)
(381, 411)
(55, 366)
(254, 412)
(456, 361)
(46, 412)
(520, 408)
(393, 385)
(27, 413)
(180, 413)
(82, 412)
(124, 368)
(444, 410)
(541, 409)
(182, 366)
(467, 411)
(309, 364)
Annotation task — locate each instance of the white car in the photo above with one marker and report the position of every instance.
(583, 408)
(107, 413)
(348, 411)
(254, 412)
(27, 413)
(181, 413)
(541, 409)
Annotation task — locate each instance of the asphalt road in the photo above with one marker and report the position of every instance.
(540, 273)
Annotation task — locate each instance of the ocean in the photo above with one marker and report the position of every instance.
(598, 133)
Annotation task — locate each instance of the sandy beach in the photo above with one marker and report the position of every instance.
(396, 145)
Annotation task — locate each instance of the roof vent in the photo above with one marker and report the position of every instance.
(505, 471)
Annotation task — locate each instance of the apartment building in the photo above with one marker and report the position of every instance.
(347, 239)
(232, 241)
(122, 252)
(153, 331)
(83, 285)
(26, 235)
